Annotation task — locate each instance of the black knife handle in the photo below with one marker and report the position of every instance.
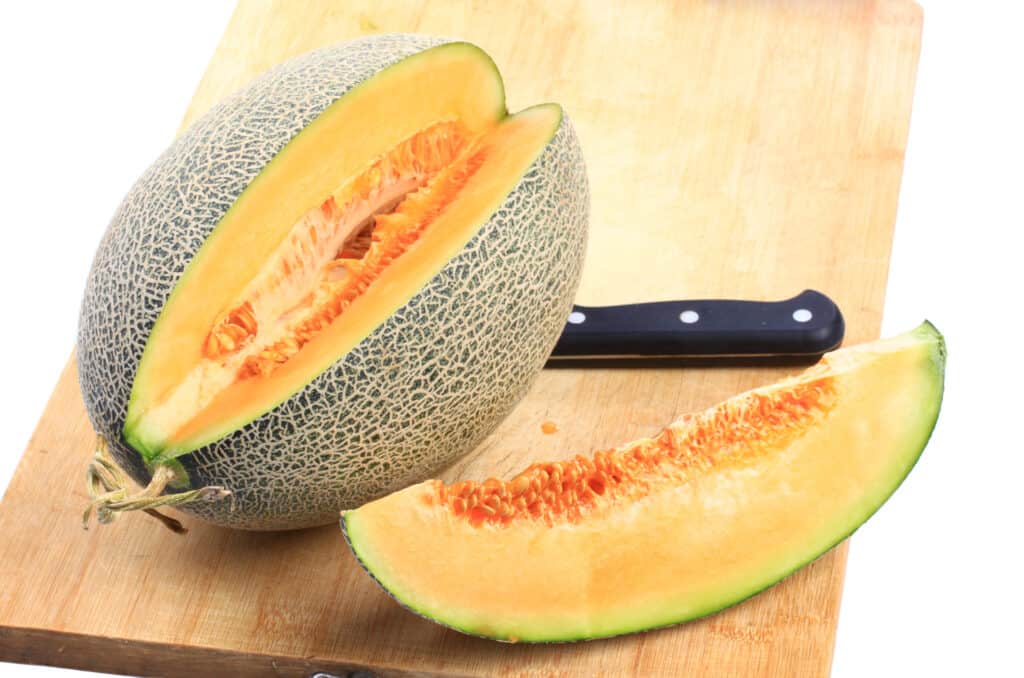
(809, 324)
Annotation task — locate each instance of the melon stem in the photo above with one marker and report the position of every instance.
(108, 487)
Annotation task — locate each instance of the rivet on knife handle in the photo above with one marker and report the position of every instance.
(805, 326)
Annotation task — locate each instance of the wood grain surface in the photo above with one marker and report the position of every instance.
(734, 149)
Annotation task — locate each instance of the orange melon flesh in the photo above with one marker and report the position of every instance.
(241, 333)
(715, 508)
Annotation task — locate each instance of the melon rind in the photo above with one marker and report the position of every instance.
(422, 389)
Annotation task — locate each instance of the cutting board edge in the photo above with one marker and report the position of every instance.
(65, 649)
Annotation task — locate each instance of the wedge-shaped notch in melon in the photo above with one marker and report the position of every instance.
(715, 508)
(241, 334)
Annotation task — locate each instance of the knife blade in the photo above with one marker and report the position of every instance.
(803, 327)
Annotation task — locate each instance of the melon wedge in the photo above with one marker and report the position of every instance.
(715, 508)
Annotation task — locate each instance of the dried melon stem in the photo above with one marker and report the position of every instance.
(109, 494)
(734, 433)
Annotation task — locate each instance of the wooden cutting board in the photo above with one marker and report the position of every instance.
(734, 149)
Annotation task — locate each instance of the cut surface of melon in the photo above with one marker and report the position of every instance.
(342, 227)
(717, 507)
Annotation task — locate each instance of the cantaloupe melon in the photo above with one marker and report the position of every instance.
(713, 509)
(335, 283)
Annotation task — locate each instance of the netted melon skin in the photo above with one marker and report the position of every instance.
(421, 390)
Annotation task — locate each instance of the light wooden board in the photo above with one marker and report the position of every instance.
(734, 149)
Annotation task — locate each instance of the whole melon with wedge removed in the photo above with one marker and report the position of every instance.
(336, 282)
(718, 506)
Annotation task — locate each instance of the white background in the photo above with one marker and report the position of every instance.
(91, 94)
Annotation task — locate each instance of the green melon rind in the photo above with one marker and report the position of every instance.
(933, 368)
(133, 433)
(324, 449)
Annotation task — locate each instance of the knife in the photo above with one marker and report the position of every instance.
(801, 328)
